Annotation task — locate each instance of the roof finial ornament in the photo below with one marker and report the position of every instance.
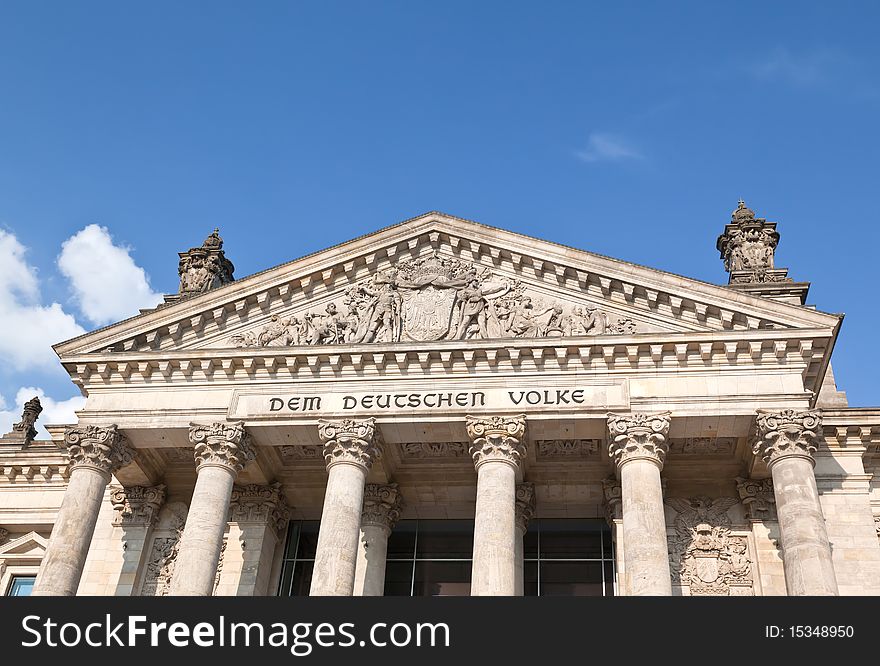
(29, 415)
(204, 268)
(747, 247)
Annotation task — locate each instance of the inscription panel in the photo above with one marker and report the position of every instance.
(296, 403)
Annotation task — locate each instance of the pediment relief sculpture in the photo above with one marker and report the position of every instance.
(432, 299)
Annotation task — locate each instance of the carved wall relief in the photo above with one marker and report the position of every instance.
(434, 298)
(566, 448)
(159, 566)
(705, 554)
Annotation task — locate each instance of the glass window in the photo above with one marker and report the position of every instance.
(299, 558)
(21, 586)
(562, 557)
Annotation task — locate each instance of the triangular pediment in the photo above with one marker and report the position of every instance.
(30, 544)
(437, 278)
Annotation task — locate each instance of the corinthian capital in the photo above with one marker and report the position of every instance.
(613, 495)
(350, 441)
(222, 445)
(382, 505)
(104, 449)
(787, 433)
(638, 437)
(525, 505)
(497, 438)
(264, 505)
(136, 505)
(757, 497)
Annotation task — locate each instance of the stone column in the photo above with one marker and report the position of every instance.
(350, 447)
(258, 516)
(95, 453)
(382, 506)
(525, 511)
(497, 450)
(135, 512)
(614, 517)
(637, 445)
(786, 440)
(221, 451)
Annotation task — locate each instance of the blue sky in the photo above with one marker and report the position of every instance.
(128, 131)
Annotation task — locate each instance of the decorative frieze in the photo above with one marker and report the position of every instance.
(497, 438)
(104, 449)
(638, 437)
(222, 445)
(382, 505)
(303, 453)
(4, 533)
(204, 268)
(695, 446)
(787, 433)
(136, 505)
(434, 298)
(350, 441)
(705, 555)
(433, 450)
(757, 497)
(263, 504)
(525, 505)
(565, 448)
(613, 497)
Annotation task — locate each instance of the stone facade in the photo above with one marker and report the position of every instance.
(442, 369)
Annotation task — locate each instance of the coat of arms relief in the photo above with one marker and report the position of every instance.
(705, 555)
(434, 298)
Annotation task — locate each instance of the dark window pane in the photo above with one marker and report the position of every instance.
(571, 579)
(302, 579)
(571, 539)
(21, 586)
(530, 579)
(286, 577)
(398, 579)
(447, 579)
(609, 579)
(445, 539)
(308, 539)
(292, 539)
(402, 542)
(530, 541)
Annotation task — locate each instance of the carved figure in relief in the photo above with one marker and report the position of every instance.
(476, 317)
(381, 320)
(325, 329)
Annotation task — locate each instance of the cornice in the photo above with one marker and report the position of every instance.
(803, 348)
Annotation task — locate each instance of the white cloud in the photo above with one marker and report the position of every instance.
(54, 411)
(603, 147)
(27, 329)
(107, 284)
(802, 69)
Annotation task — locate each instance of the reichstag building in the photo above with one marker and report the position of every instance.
(446, 408)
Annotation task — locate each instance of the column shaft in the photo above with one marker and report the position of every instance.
(196, 568)
(349, 451)
(221, 450)
(372, 553)
(94, 452)
(68, 547)
(638, 447)
(382, 506)
(336, 555)
(497, 451)
(646, 553)
(806, 552)
(786, 440)
(495, 534)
